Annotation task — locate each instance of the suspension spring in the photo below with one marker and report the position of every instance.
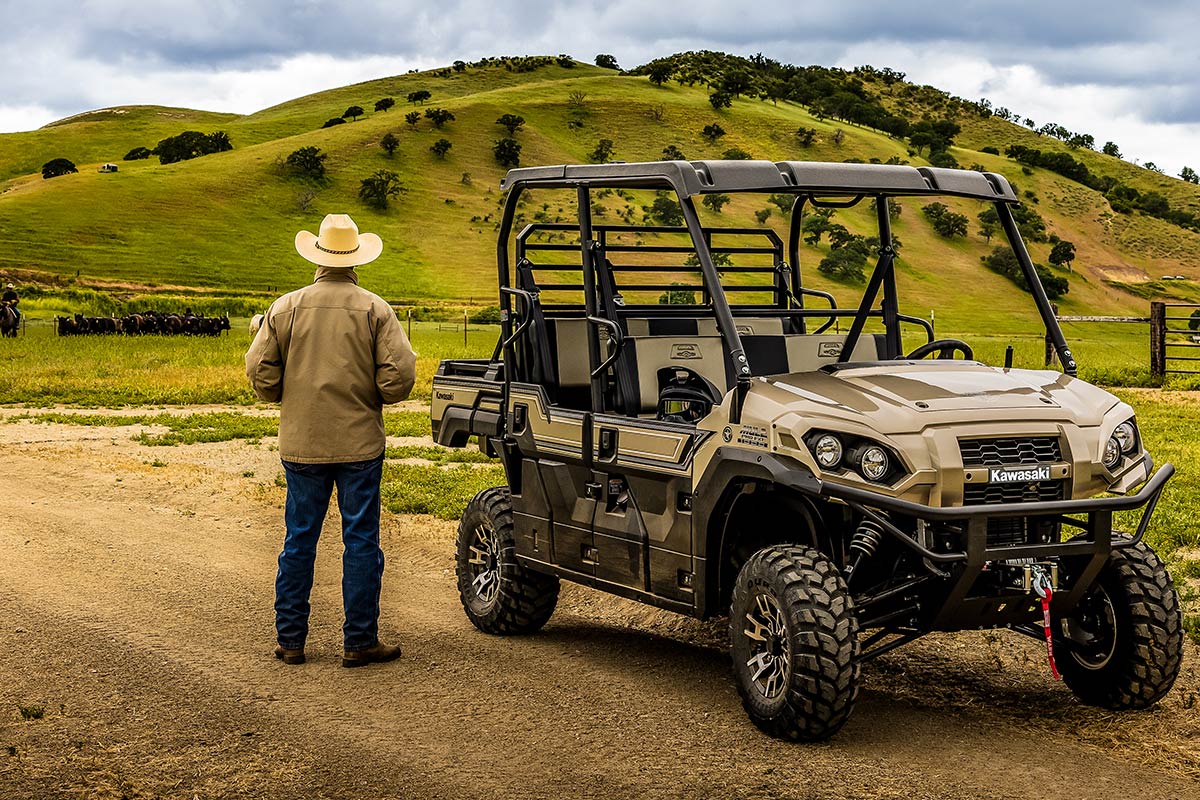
(866, 538)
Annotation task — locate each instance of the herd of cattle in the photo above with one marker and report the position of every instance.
(147, 322)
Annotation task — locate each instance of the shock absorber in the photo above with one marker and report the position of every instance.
(864, 543)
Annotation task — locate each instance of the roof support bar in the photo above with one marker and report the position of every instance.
(588, 255)
(725, 323)
(891, 302)
(1053, 331)
(882, 273)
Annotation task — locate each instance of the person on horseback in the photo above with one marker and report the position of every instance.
(11, 299)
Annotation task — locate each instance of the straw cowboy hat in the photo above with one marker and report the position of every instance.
(339, 243)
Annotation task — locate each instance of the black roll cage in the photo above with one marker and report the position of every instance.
(880, 182)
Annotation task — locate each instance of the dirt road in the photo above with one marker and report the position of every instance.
(135, 609)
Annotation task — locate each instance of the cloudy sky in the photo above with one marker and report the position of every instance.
(1124, 72)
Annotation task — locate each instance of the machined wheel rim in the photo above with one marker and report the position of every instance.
(484, 563)
(770, 661)
(1091, 630)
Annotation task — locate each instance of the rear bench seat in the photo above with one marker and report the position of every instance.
(654, 343)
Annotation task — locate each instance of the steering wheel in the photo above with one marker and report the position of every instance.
(945, 348)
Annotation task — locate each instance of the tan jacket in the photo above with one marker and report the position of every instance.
(333, 354)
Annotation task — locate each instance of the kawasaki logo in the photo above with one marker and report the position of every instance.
(1018, 474)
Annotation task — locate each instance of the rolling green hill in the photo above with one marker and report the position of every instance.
(227, 220)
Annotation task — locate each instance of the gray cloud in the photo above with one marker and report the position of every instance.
(63, 56)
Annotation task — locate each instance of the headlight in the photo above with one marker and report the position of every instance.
(874, 463)
(828, 451)
(1112, 452)
(1126, 436)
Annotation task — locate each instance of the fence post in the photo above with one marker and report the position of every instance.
(1051, 355)
(410, 324)
(464, 327)
(1158, 339)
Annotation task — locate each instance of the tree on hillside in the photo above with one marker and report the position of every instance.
(383, 104)
(716, 202)
(412, 118)
(660, 72)
(844, 264)
(329, 123)
(1062, 254)
(138, 153)
(606, 61)
(191, 144)
(783, 202)
(805, 136)
(1111, 149)
(677, 297)
(419, 97)
(736, 154)
(353, 112)
(665, 209)
(603, 152)
(1188, 174)
(507, 152)
(987, 230)
(511, 123)
(565, 61)
(712, 132)
(56, 167)
(378, 190)
(1004, 261)
(441, 147)
(438, 116)
(307, 162)
(459, 66)
(672, 153)
(720, 99)
(389, 143)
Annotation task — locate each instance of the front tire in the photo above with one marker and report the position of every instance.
(499, 595)
(1121, 647)
(794, 643)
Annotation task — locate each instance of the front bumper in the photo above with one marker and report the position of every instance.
(1090, 551)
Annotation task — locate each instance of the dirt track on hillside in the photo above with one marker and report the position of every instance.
(135, 607)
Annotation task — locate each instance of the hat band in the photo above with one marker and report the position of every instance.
(335, 252)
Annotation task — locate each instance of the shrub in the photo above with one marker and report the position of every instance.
(378, 190)
(56, 167)
(389, 143)
(307, 162)
(441, 147)
(736, 154)
(329, 123)
(137, 154)
(438, 116)
(507, 152)
(672, 153)
(603, 152)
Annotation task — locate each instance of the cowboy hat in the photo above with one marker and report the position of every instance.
(339, 243)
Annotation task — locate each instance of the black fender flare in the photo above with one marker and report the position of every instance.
(731, 465)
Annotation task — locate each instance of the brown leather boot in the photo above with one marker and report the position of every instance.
(372, 655)
(289, 656)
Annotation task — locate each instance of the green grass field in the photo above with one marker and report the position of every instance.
(227, 220)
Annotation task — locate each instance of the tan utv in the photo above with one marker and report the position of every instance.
(786, 462)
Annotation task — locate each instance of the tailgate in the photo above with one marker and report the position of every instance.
(467, 396)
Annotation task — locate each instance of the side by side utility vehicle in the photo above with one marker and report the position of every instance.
(688, 429)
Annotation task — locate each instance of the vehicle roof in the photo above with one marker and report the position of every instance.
(824, 179)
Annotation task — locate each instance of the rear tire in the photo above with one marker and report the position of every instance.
(499, 595)
(794, 643)
(1121, 647)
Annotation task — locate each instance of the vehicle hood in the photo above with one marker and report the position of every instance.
(910, 395)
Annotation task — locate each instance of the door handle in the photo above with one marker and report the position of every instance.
(607, 446)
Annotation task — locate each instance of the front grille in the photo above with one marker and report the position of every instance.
(1005, 531)
(979, 494)
(1010, 452)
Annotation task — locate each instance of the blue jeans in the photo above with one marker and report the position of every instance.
(309, 487)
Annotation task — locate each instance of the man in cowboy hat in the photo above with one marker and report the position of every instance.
(332, 354)
(10, 298)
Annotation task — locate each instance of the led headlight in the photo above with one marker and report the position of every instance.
(828, 451)
(1126, 436)
(874, 463)
(1112, 452)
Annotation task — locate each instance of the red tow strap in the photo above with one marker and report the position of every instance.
(1046, 598)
